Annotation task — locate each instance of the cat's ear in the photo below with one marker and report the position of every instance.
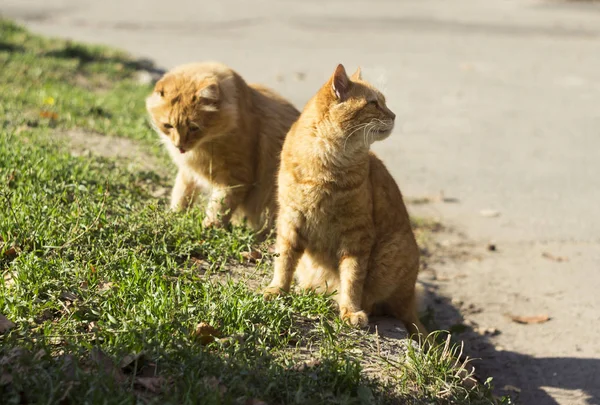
(357, 75)
(340, 84)
(208, 96)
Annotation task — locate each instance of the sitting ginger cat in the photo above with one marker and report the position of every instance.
(225, 137)
(342, 224)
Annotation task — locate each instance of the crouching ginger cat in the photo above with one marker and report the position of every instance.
(225, 137)
(342, 224)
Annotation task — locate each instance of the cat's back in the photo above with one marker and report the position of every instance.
(273, 109)
(198, 71)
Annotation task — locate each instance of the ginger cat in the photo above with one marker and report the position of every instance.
(342, 224)
(225, 137)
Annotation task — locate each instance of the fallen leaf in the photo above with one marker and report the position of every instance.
(10, 252)
(206, 333)
(529, 319)
(252, 256)
(5, 324)
(49, 114)
(152, 384)
(558, 259)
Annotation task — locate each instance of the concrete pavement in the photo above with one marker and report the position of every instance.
(498, 105)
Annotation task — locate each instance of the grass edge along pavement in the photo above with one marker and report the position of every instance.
(112, 299)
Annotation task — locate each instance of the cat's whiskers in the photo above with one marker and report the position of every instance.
(368, 130)
(358, 128)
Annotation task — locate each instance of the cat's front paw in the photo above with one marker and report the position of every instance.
(272, 292)
(358, 318)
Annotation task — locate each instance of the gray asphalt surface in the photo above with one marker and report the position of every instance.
(498, 106)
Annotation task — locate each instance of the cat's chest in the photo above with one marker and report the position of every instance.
(334, 209)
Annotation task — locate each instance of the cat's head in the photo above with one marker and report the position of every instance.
(356, 107)
(187, 110)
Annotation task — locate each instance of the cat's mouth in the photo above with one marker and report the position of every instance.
(181, 150)
(383, 131)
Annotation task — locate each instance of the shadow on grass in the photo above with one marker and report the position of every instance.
(8, 47)
(182, 373)
(85, 55)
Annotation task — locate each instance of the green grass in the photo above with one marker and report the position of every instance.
(106, 287)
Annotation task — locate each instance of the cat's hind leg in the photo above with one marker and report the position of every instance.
(402, 304)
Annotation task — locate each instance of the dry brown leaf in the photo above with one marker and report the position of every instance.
(152, 384)
(529, 319)
(558, 259)
(49, 114)
(206, 333)
(10, 252)
(5, 324)
(252, 256)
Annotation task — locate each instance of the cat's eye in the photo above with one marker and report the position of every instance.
(167, 125)
(374, 103)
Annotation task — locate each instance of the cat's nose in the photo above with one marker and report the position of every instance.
(392, 116)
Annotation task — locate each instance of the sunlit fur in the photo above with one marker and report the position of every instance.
(225, 137)
(342, 223)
